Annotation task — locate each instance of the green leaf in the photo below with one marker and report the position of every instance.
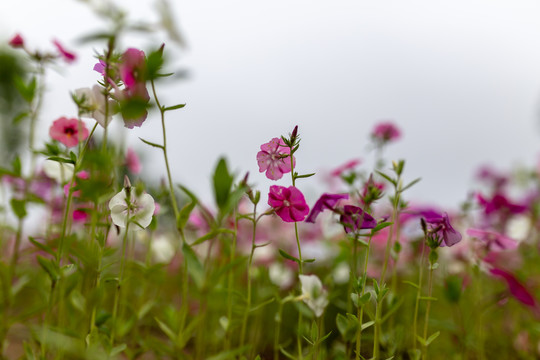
(410, 184)
(308, 260)
(183, 215)
(380, 226)
(432, 337)
(211, 235)
(50, 267)
(16, 165)
(411, 283)
(195, 269)
(230, 354)
(118, 349)
(151, 143)
(19, 208)
(41, 246)
(166, 329)
(392, 181)
(168, 108)
(288, 257)
(61, 160)
(367, 324)
(154, 62)
(363, 300)
(428, 298)
(223, 181)
(27, 91)
(304, 176)
(20, 116)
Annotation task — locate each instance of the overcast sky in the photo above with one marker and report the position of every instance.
(460, 78)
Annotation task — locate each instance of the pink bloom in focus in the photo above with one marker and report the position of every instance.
(68, 56)
(349, 165)
(274, 159)
(516, 288)
(16, 42)
(288, 203)
(68, 131)
(132, 161)
(385, 132)
(443, 230)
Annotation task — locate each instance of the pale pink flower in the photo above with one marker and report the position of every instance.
(274, 159)
(66, 55)
(288, 203)
(349, 165)
(68, 131)
(93, 104)
(132, 161)
(133, 67)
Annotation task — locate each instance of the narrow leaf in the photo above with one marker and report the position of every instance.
(151, 143)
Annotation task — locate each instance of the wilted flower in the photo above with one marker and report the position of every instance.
(288, 203)
(274, 159)
(68, 131)
(440, 228)
(133, 208)
(313, 293)
(326, 201)
(61, 172)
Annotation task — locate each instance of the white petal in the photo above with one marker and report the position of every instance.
(61, 172)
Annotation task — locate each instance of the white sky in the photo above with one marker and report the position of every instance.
(461, 78)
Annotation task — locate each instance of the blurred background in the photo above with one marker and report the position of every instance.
(461, 79)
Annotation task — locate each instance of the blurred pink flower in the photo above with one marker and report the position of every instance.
(68, 131)
(386, 132)
(349, 165)
(81, 175)
(132, 161)
(499, 203)
(288, 203)
(66, 55)
(515, 287)
(493, 240)
(100, 67)
(274, 159)
(133, 67)
(17, 41)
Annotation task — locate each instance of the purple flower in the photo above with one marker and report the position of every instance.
(499, 202)
(326, 201)
(515, 287)
(68, 56)
(354, 219)
(288, 203)
(274, 159)
(439, 225)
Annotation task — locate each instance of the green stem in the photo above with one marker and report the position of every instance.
(418, 295)
(249, 270)
(360, 311)
(278, 330)
(428, 307)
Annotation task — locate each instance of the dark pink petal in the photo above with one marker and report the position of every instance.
(68, 56)
(326, 201)
(347, 166)
(17, 41)
(515, 287)
(354, 219)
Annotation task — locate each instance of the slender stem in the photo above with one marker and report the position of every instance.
(418, 295)
(249, 270)
(278, 330)
(360, 311)
(120, 279)
(426, 319)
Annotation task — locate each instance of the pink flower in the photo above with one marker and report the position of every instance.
(68, 131)
(81, 175)
(354, 219)
(288, 203)
(133, 67)
(493, 240)
(274, 159)
(68, 56)
(386, 132)
(100, 67)
(132, 162)
(349, 165)
(17, 41)
(442, 230)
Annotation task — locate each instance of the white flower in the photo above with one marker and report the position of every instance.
(162, 248)
(313, 293)
(93, 104)
(61, 172)
(141, 208)
(280, 275)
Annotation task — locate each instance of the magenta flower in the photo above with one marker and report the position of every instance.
(17, 41)
(516, 288)
(326, 201)
(354, 219)
(100, 67)
(499, 202)
(68, 131)
(66, 55)
(493, 240)
(274, 159)
(439, 225)
(386, 132)
(288, 203)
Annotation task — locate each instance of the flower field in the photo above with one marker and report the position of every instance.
(98, 263)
